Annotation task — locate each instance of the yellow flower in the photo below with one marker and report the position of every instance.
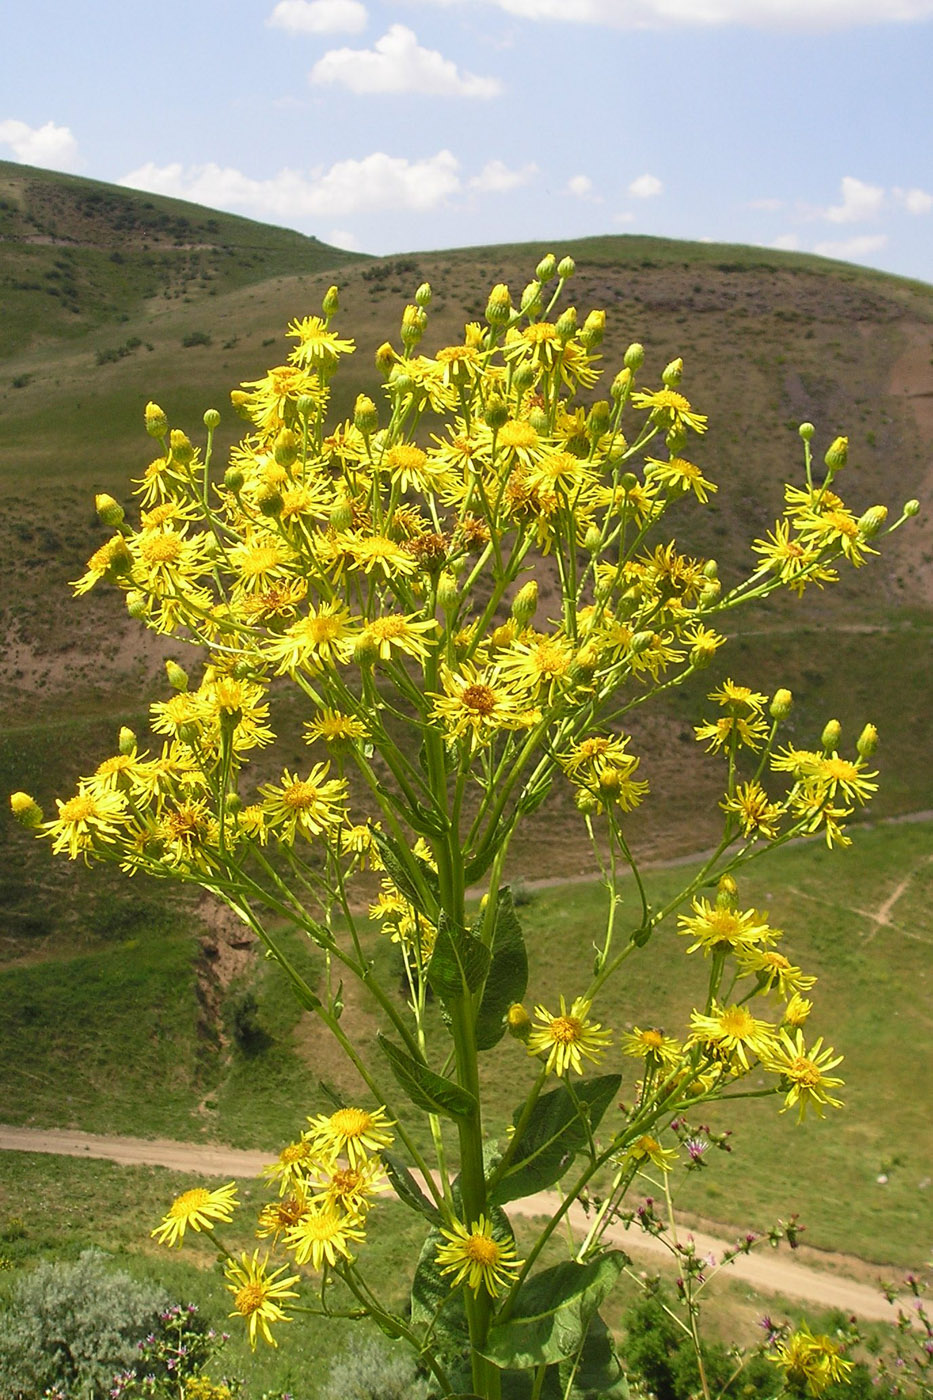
(293, 1164)
(91, 816)
(757, 814)
(349, 1189)
(648, 1149)
(258, 1295)
(650, 1044)
(274, 398)
(355, 1132)
(396, 633)
(317, 348)
(805, 1071)
(334, 727)
(376, 553)
(479, 704)
(839, 775)
(310, 805)
(325, 637)
(323, 1234)
(774, 971)
(198, 1208)
(679, 476)
(811, 1361)
(285, 1214)
(731, 1031)
(567, 1036)
(670, 410)
(473, 1255)
(723, 930)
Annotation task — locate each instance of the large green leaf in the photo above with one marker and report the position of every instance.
(553, 1136)
(459, 962)
(407, 1189)
(508, 973)
(599, 1374)
(426, 1089)
(432, 1296)
(552, 1313)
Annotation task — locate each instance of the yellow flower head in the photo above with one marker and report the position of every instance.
(353, 1132)
(198, 1208)
(566, 1037)
(258, 1295)
(323, 1235)
(474, 1256)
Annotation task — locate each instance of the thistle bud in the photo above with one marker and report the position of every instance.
(781, 704)
(911, 508)
(448, 592)
(641, 642)
(621, 384)
(525, 602)
(702, 653)
(211, 419)
(499, 305)
(423, 294)
(285, 449)
(711, 569)
(727, 893)
(806, 431)
(269, 500)
(305, 406)
(837, 454)
(182, 450)
(109, 511)
(867, 741)
(365, 415)
(177, 676)
(546, 268)
(538, 420)
(126, 740)
(531, 303)
(385, 358)
(26, 810)
(566, 268)
(518, 1021)
(233, 803)
(331, 303)
(136, 604)
(592, 540)
(341, 514)
(628, 481)
(497, 413)
(524, 377)
(709, 592)
(594, 328)
(414, 321)
(831, 736)
(597, 419)
(872, 520)
(233, 480)
(673, 373)
(156, 421)
(239, 400)
(675, 440)
(366, 651)
(566, 323)
(586, 802)
(399, 382)
(634, 356)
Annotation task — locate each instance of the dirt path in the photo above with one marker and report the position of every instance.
(766, 1272)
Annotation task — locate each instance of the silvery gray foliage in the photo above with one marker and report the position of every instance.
(375, 1370)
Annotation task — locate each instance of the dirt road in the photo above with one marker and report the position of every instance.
(766, 1270)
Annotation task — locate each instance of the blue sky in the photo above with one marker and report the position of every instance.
(390, 125)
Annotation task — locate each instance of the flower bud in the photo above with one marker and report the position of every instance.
(126, 740)
(711, 569)
(831, 736)
(240, 402)
(525, 602)
(233, 480)
(365, 415)
(341, 514)
(269, 500)
(673, 373)
(109, 511)
(177, 676)
(414, 321)
(136, 604)
(211, 419)
(26, 810)
(518, 1021)
(586, 802)
(634, 356)
(566, 323)
(546, 268)
(867, 741)
(797, 1010)
(871, 522)
(366, 651)
(782, 702)
(709, 592)
(331, 303)
(911, 508)
(524, 376)
(156, 421)
(497, 413)
(566, 268)
(503, 636)
(233, 803)
(621, 384)
(675, 440)
(592, 541)
(727, 893)
(641, 642)
(531, 302)
(448, 592)
(837, 454)
(423, 294)
(182, 451)
(586, 659)
(628, 481)
(806, 431)
(598, 419)
(499, 305)
(702, 653)
(385, 358)
(594, 328)
(285, 449)
(399, 382)
(538, 420)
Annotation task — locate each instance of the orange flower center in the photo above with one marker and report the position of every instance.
(352, 1122)
(480, 1249)
(249, 1299)
(566, 1030)
(479, 698)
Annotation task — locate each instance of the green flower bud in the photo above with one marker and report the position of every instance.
(592, 541)
(702, 654)
(538, 420)
(341, 514)
(872, 520)
(621, 384)
(628, 481)
(177, 676)
(586, 802)
(423, 294)
(233, 803)
(597, 419)
(499, 305)
(710, 592)
(525, 603)
(109, 511)
(634, 356)
(831, 736)
(867, 741)
(566, 323)
(182, 450)
(518, 1021)
(156, 421)
(594, 328)
(675, 440)
(727, 893)
(837, 454)
(546, 268)
(781, 704)
(711, 569)
(497, 413)
(285, 450)
(269, 500)
(136, 604)
(239, 400)
(806, 431)
(331, 303)
(566, 268)
(211, 419)
(673, 373)
(448, 592)
(385, 358)
(365, 415)
(414, 321)
(305, 406)
(911, 508)
(366, 651)
(26, 810)
(641, 642)
(233, 480)
(126, 740)
(531, 303)
(524, 376)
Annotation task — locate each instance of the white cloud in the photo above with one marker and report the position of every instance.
(398, 63)
(624, 218)
(496, 177)
(376, 182)
(581, 186)
(341, 238)
(915, 201)
(319, 16)
(645, 187)
(50, 146)
(751, 14)
(770, 206)
(787, 242)
(852, 249)
(859, 202)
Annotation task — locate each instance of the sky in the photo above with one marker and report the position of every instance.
(404, 125)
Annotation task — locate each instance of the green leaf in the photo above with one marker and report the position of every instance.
(508, 973)
(398, 868)
(553, 1136)
(552, 1313)
(599, 1376)
(426, 1089)
(407, 1189)
(458, 963)
(432, 1297)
